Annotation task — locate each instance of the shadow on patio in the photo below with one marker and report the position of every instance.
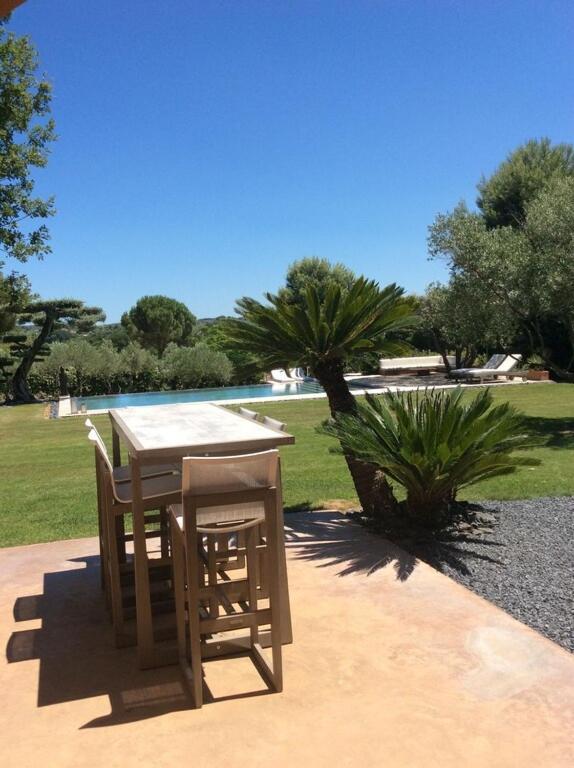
(77, 656)
(328, 538)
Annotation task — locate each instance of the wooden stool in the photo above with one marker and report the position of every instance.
(226, 497)
(114, 501)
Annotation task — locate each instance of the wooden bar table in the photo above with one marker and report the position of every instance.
(164, 433)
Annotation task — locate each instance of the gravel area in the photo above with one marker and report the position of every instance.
(526, 565)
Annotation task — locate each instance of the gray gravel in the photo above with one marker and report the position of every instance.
(526, 565)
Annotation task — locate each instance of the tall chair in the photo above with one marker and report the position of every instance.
(122, 474)
(115, 501)
(226, 495)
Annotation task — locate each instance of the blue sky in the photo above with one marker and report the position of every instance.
(205, 145)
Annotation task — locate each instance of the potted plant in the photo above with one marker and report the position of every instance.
(535, 370)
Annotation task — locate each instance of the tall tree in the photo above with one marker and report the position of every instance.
(504, 197)
(319, 273)
(156, 321)
(525, 274)
(26, 131)
(321, 334)
(461, 322)
(14, 296)
(43, 318)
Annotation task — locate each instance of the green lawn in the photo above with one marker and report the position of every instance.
(47, 488)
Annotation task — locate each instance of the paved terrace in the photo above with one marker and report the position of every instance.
(393, 664)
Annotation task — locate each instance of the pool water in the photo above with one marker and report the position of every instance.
(103, 402)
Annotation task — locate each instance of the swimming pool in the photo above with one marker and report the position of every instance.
(246, 392)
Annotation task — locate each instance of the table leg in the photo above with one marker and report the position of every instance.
(286, 628)
(143, 599)
(116, 448)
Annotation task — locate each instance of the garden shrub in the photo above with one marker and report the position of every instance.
(434, 443)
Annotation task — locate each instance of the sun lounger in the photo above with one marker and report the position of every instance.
(499, 366)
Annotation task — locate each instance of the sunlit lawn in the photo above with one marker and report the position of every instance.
(47, 488)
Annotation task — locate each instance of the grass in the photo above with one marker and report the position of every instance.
(47, 489)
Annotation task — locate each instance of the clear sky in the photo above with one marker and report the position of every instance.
(206, 144)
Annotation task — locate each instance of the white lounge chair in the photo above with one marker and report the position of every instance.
(281, 376)
(420, 365)
(499, 366)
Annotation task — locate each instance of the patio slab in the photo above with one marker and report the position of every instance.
(393, 664)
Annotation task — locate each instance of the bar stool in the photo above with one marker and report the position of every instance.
(114, 502)
(226, 495)
(123, 474)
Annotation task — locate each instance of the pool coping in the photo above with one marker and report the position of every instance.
(64, 406)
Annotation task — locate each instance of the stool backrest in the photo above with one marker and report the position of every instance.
(274, 423)
(96, 438)
(204, 475)
(103, 463)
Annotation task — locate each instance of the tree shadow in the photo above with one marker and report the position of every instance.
(330, 539)
(445, 551)
(552, 432)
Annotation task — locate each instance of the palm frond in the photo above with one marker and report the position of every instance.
(280, 332)
(434, 443)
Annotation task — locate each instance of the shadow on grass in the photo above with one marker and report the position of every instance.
(552, 432)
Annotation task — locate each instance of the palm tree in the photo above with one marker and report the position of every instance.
(321, 335)
(434, 443)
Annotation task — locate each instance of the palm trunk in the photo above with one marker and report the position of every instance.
(374, 492)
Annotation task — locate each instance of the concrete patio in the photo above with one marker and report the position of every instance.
(393, 664)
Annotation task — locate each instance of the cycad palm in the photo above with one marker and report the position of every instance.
(321, 335)
(434, 443)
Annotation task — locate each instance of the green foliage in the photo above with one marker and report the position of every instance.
(322, 334)
(285, 334)
(40, 319)
(90, 369)
(14, 295)
(114, 332)
(535, 363)
(523, 276)
(199, 366)
(156, 321)
(247, 368)
(58, 499)
(460, 321)
(505, 196)
(316, 272)
(26, 132)
(433, 444)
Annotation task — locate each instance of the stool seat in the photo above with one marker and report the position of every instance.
(209, 518)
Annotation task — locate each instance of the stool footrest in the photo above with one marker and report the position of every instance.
(235, 621)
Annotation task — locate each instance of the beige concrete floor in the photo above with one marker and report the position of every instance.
(393, 664)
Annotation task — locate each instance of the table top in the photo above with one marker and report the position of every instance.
(182, 428)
